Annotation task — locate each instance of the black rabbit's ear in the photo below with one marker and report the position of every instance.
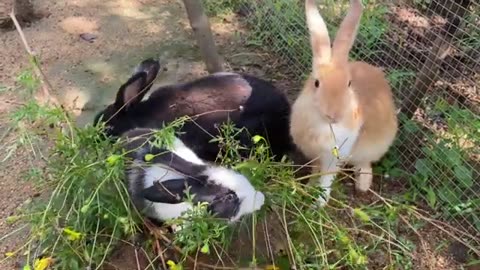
(171, 191)
(151, 68)
(131, 92)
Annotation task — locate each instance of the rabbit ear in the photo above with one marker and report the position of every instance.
(319, 39)
(131, 92)
(151, 68)
(347, 32)
(171, 191)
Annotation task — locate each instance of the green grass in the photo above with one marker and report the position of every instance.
(446, 173)
(278, 27)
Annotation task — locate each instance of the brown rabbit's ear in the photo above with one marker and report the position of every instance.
(320, 41)
(347, 32)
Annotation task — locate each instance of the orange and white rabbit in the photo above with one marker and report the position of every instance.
(346, 106)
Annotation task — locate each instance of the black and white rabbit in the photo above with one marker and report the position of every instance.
(249, 102)
(159, 186)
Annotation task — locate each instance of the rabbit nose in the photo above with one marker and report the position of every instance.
(331, 118)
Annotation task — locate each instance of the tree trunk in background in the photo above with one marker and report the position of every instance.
(427, 76)
(203, 35)
(23, 11)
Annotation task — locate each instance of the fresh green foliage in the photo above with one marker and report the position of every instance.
(470, 40)
(279, 27)
(199, 230)
(400, 79)
(88, 209)
(445, 171)
(373, 26)
(220, 7)
(28, 81)
(422, 4)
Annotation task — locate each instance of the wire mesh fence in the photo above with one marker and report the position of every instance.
(430, 51)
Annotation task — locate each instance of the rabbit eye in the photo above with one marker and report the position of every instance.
(349, 83)
(317, 83)
(230, 197)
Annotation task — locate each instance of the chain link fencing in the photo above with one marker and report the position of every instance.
(430, 51)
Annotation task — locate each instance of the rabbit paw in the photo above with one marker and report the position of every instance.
(176, 228)
(364, 179)
(321, 201)
(323, 198)
(325, 185)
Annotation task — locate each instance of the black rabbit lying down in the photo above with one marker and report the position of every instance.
(249, 102)
(159, 186)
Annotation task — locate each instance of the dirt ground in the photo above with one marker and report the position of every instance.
(86, 72)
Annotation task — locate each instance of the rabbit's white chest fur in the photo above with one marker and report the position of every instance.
(341, 137)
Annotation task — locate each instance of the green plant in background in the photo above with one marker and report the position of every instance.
(28, 81)
(445, 173)
(279, 27)
(470, 39)
(221, 7)
(373, 26)
(422, 4)
(400, 79)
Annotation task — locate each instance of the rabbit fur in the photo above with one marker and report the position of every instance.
(247, 101)
(345, 112)
(159, 186)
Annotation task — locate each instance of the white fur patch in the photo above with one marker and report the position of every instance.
(224, 73)
(251, 200)
(180, 149)
(344, 138)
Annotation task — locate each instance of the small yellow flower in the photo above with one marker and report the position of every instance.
(335, 152)
(9, 254)
(113, 159)
(205, 249)
(173, 265)
(72, 235)
(149, 157)
(271, 267)
(361, 214)
(42, 264)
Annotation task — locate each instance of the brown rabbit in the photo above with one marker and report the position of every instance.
(345, 112)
